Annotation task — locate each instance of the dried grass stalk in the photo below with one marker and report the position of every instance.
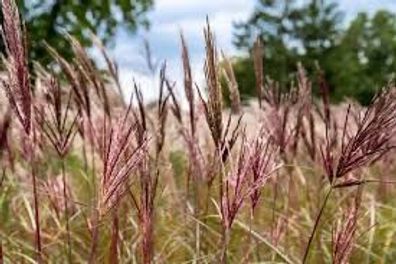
(121, 157)
(257, 158)
(87, 70)
(232, 85)
(368, 143)
(188, 84)
(213, 107)
(111, 66)
(344, 232)
(56, 119)
(18, 90)
(17, 85)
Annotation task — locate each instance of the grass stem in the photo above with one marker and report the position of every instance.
(315, 227)
(68, 237)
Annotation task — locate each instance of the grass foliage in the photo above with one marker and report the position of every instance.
(88, 177)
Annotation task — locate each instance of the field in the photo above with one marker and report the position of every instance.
(88, 177)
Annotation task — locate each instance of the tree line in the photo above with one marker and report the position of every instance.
(357, 58)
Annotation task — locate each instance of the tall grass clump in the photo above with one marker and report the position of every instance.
(59, 128)
(289, 178)
(17, 86)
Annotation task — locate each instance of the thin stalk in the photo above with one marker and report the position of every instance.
(275, 197)
(187, 186)
(203, 191)
(146, 218)
(95, 237)
(225, 229)
(193, 197)
(69, 246)
(85, 158)
(36, 206)
(200, 192)
(197, 224)
(113, 254)
(201, 198)
(1, 252)
(274, 212)
(225, 238)
(315, 227)
(147, 243)
(197, 242)
(95, 223)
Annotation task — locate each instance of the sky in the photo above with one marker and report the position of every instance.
(169, 17)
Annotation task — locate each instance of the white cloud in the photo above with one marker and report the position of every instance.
(167, 19)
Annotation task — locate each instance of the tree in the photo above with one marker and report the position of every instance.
(364, 60)
(357, 60)
(291, 32)
(50, 20)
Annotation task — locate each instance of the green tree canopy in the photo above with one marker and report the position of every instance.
(49, 21)
(357, 60)
(291, 32)
(364, 59)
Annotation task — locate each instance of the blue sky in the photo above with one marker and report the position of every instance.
(170, 16)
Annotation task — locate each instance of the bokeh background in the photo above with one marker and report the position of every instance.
(358, 62)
